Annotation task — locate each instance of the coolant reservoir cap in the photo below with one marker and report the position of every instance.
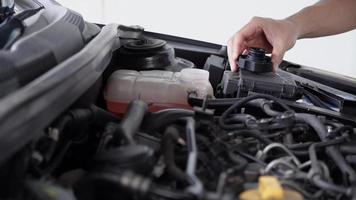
(145, 44)
(255, 61)
(189, 75)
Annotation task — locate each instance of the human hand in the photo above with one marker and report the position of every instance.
(275, 36)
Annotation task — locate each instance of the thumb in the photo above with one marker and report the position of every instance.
(277, 57)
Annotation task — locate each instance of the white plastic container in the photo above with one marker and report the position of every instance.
(160, 89)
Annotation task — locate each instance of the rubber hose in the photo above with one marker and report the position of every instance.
(332, 151)
(170, 138)
(237, 105)
(131, 122)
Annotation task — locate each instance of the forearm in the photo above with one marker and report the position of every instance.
(327, 17)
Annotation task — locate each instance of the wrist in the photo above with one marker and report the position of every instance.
(296, 26)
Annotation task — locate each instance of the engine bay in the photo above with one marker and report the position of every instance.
(167, 120)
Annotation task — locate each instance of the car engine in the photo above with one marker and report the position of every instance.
(167, 122)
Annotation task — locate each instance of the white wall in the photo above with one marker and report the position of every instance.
(215, 21)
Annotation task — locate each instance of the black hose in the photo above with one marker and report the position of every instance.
(266, 107)
(212, 103)
(332, 151)
(314, 122)
(339, 130)
(61, 124)
(131, 122)
(160, 119)
(288, 139)
(313, 155)
(225, 103)
(102, 116)
(339, 160)
(256, 134)
(351, 159)
(331, 187)
(317, 176)
(58, 127)
(123, 183)
(349, 148)
(170, 138)
(294, 186)
(83, 115)
(252, 158)
(196, 186)
(76, 116)
(237, 105)
(56, 161)
(299, 145)
(170, 194)
(238, 159)
(251, 133)
(239, 120)
(242, 118)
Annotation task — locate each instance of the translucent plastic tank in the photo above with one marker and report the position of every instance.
(160, 89)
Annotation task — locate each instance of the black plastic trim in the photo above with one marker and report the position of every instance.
(25, 113)
(337, 81)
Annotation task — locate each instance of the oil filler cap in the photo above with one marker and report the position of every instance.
(255, 61)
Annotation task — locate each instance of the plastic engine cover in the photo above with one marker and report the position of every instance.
(278, 84)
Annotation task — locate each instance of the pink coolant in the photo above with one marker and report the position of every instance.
(159, 89)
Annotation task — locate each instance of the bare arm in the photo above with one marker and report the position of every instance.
(327, 17)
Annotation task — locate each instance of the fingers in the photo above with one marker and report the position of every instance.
(272, 35)
(277, 56)
(238, 43)
(245, 52)
(229, 53)
(235, 48)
